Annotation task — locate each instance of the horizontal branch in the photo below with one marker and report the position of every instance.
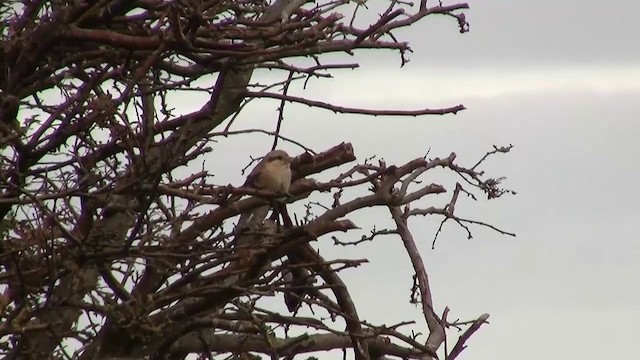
(113, 38)
(350, 110)
(209, 342)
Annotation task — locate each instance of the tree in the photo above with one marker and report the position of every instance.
(105, 254)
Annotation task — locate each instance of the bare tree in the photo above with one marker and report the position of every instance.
(105, 254)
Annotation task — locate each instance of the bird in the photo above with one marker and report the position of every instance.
(273, 173)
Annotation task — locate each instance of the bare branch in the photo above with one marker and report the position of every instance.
(346, 110)
(109, 251)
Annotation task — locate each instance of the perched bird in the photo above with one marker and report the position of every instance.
(272, 173)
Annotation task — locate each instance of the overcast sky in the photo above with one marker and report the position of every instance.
(560, 80)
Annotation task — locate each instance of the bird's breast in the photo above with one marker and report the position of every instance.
(275, 176)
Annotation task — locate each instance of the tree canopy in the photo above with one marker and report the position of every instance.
(106, 253)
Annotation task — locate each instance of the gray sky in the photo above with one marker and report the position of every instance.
(561, 81)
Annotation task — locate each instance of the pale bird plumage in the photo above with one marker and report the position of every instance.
(273, 172)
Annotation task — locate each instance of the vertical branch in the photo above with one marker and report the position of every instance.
(148, 111)
(436, 330)
(285, 89)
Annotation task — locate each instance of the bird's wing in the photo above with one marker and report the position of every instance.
(253, 175)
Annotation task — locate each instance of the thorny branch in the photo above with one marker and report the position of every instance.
(105, 245)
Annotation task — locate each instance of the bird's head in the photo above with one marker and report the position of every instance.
(279, 156)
